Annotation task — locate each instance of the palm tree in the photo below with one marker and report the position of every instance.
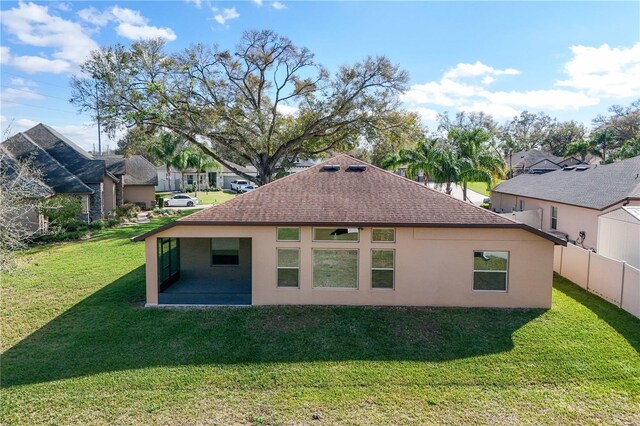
(582, 148)
(198, 160)
(166, 148)
(420, 158)
(477, 162)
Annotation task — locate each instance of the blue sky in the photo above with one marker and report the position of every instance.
(572, 60)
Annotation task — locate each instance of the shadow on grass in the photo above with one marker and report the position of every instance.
(620, 320)
(111, 331)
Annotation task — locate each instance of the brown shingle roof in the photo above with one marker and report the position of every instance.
(373, 197)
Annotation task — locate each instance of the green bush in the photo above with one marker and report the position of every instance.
(113, 222)
(62, 208)
(97, 224)
(73, 225)
(128, 210)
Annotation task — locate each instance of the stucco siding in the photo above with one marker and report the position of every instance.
(140, 194)
(433, 266)
(571, 219)
(109, 194)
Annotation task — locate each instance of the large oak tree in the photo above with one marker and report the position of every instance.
(265, 102)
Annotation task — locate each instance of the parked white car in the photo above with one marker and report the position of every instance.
(247, 188)
(181, 200)
(237, 185)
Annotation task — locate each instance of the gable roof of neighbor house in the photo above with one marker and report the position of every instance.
(75, 159)
(373, 197)
(54, 174)
(135, 170)
(595, 186)
(33, 186)
(530, 157)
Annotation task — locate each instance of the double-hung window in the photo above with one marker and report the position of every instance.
(382, 268)
(490, 270)
(554, 217)
(288, 267)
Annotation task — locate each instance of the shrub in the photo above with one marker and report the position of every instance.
(113, 222)
(127, 210)
(73, 225)
(97, 224)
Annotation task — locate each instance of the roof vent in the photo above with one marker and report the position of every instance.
(569, 167)
(582, 168)
(331, 167)
(356, 168)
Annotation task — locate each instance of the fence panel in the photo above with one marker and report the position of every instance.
(631, 291)
(575, 265)
(605, 277)
(557, 259)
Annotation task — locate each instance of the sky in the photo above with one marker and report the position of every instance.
(571, 60)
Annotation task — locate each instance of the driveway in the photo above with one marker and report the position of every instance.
(473, 196)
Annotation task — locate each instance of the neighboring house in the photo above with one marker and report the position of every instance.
(69, 169)
(299, 166)
(570, 200)
(211, 178)
(138, 179)
(619, 235)
(34, 191)
(347, 233)
(535, 161)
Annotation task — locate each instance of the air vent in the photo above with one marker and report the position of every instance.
(569, 167)
(356, 168)
(331, 167)
(582, 168)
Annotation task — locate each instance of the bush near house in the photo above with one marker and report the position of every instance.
(78, 347)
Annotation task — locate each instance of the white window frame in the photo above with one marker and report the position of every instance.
(278, 267)
(506, 272)
(313, 234)
(384, 242)
(393, 287)
(288, 227)
(313, 269)
(521, 205)
(553, 225)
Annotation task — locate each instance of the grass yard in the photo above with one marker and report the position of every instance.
(481, 187)
(217, 197)
(79, 348)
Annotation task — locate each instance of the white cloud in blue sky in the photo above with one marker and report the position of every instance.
(544, 57)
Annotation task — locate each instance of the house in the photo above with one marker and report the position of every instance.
(535, 161)
(68, 169)
(619, 235)
(570, 200)
(345, 232)
(211, 178)
(32, 187)
(137, 180)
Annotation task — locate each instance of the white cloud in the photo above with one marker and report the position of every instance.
(20, 93)
(258, 2)
(35, 64)
(5, 55)
(595, 73)
(278, 6)
(604, 71)
(226, 15)
(427, 114)
(477, 69)
(63, 6)
(129, 23)
(19, 81)
(196, 3)
(34, 25)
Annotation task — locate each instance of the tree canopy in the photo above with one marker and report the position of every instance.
(266, 102)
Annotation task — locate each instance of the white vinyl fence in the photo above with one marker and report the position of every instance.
(613, 280)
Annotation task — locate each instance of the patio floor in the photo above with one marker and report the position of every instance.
(193, 290)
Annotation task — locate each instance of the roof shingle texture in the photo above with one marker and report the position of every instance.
(54, 174)
(597, 187)
(136, 170)
(370, 197)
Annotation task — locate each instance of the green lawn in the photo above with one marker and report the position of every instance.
(206, 197)
(79, 348)
(481, 187)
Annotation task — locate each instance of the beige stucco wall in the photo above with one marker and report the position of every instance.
(139, 194)
(571, 219)
(108, 195)
(434, 267)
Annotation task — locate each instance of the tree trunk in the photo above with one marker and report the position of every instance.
(169, 176)
(464, 190)
(197, 187)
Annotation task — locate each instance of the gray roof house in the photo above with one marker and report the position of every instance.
(536, 161)
(68, 169)
(571, 198)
